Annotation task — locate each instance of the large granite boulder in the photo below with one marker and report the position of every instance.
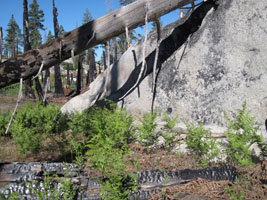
(207, 66)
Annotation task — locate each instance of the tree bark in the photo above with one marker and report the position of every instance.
(79, 76)
(90, 34)
(46, 84)
(59, 92)
(29, 93)
(68, 75)
(92, 68)
(1, 40)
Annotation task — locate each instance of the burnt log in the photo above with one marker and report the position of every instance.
(90, 34)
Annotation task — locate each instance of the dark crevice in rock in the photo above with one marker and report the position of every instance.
(185, 28)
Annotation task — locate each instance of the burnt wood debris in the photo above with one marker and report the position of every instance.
(90, 34)
(15, 177)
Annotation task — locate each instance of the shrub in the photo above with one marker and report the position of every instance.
(4, 119)
(11, 89)
(169, 135)
(32, 125)
(111, 132)
(241, 134)
(147, 128)
(200, 143)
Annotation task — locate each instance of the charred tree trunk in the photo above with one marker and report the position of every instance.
(90, 34)
(29, 93)
(59, 92)
(79, 77)
(92, 68)
(68, 75)
(1, 41)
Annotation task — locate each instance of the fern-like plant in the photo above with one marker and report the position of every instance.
(147, 129)
(200, 142)
(169, 134)
(33, 124)
(241, 134)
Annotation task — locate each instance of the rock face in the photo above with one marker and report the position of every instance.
(219, 67)
(208, 64)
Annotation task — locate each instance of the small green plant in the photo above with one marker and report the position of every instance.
(13, 196)
(169, 135)
(54, 188)
(234, 194)
(32, 125)
(200, 143)
(11, 89)
(241, 134)
(80, 133)
(110, 134)
(4, 119)
(147, 128)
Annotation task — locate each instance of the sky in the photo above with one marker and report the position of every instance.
(70, 12)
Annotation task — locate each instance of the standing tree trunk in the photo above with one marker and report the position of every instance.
(1, 39)
(104, 60)
(92, 68)
(29, 93)
(79, 77)
(59, 92)
(46, 84)
(115, 49)
(68, 75)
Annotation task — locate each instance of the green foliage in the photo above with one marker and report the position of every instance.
(241, 134)
(32, 125)
(36, 19)
(13, 196)
(234, 194)
(49, 190)
(11, 89)
(13, 39)
(111, 131)
(4, 119)
(169, 135)
(87, 17)
(200, 143)
(147, 128)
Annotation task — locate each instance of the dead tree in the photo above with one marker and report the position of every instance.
(58, 82)
(29, 93)
(88, 35)
(1, 39)
(92, 68)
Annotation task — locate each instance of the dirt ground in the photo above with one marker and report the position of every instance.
(251, 182)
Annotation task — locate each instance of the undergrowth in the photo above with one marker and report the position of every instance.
(242, 132)
(101, 137)
(200, 143)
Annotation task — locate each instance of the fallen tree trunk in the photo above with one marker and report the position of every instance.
(84, 37)
(121, 78)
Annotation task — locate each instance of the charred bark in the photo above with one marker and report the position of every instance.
(1, 40)
(59, 92)
(29, 93)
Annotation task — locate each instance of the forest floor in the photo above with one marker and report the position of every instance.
(251, 182)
